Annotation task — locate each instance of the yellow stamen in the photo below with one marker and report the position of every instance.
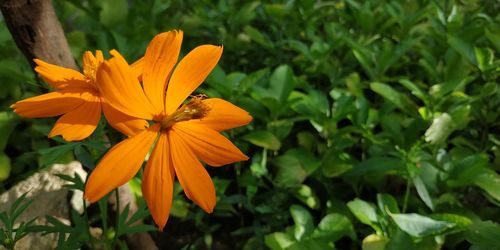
(90, 65)
(194, 109)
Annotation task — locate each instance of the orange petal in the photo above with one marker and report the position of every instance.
(126, 124)
(161, 55)
(48, 105)
(120, 87)
(79, 123)
(120, 164)
(192, 176)
(158, 182)
(58, 77)
(223, 115)
(138, 68)
(190, 73)
(210, 146)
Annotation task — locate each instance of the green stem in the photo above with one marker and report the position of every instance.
(407, 195)
(86, 217)
(115, 237)
(104, 218)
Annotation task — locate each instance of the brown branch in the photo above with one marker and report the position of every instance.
(37, 31)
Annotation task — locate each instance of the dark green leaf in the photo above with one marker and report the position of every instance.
(263, 139)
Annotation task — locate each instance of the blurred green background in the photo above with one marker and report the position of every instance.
(376, 123)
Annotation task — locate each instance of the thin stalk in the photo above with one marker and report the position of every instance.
(104, 218)
(407, 195)
(86, 216)
(115, 237)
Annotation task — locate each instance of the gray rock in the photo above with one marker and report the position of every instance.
(48, 197)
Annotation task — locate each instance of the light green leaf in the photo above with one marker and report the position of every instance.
(365, 213)
(420, 226)
(334, 226)
(278, 241)
(5, 167)
(422, 192)
(374, 242)
(307, 195)
(461, 222)
(304, 225)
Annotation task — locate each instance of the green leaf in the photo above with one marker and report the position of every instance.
(484, 234)
(463, 47)
(278, 241)
(362, 57)
(281, 83)
(308, 160)
(422, 192)
(258, 37)
(420, 226)
(489, 181)
(415, 90)
(290, 172)
(461, 222)
(54, 154)
(377, 165)
(387, 203)
(400, 240)
(310, 244)
(374, 242)
(113, 12)
(307, 195)
(494, 38)
(466, 169)
(333, 227)
(364, 212)
(399, 100)
(263, 139)
(484, 58)
(5, 167)
(336, 163)
(7, 124)
(304, 225)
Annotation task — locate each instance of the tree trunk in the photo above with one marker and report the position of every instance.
(37, 31)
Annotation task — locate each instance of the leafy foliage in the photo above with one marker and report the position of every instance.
(376, 123)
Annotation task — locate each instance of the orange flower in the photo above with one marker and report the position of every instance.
(180, 135)
(77, 99)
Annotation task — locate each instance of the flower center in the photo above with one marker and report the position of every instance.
(194, 109)
(90, 71)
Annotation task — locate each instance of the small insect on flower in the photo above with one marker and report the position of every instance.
(181, 134)
(77, 98)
